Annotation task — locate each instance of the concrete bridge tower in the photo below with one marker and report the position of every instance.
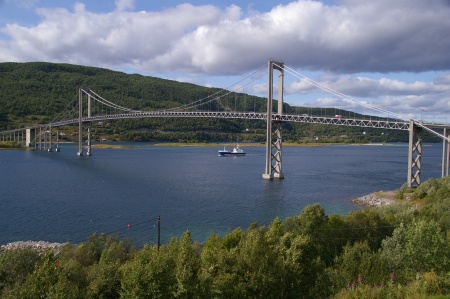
(274, 134)
(80, 124)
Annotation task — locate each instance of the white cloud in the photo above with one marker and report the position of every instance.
(355, 36)
(122, 5)
(368, 88)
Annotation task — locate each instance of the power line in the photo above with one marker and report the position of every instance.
(113, 232)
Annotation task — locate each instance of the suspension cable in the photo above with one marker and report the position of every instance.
(217, 94)
(341, 95)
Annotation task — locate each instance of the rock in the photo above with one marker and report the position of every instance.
(39, 246)
(372, 200)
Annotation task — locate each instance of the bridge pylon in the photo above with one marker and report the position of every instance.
(274, 126)
(414, 154)
(81, 145)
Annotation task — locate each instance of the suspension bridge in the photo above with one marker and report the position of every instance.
(92, 107)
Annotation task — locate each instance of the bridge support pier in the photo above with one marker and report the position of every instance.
(414, 155)
(48, 138)
(277, 150)
(30, 139)
(39, 140)
(274, 127)
(88, 146)
(42, 139)
(57, 149)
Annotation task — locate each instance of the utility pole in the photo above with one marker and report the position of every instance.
(159, 232)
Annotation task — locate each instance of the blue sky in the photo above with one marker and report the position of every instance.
(391, 54)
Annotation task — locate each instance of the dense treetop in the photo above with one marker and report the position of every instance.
(399, 251)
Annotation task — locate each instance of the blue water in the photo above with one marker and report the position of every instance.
(61, 197)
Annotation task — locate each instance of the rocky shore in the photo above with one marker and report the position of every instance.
(375, 199)
(39, 246)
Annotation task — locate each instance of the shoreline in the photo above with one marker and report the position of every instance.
(118, 145)
(39, 246)
(376, 199)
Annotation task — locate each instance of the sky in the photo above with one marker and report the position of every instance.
(393, 54)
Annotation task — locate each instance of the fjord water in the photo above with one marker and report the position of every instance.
(60, 197)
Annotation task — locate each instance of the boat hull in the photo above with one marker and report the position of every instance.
(228, 154)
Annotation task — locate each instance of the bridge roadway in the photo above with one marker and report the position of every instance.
(355, 122)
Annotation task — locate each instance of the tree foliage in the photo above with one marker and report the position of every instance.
(368, 253)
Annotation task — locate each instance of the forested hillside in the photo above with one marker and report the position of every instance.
(400, 251)
(33, 93)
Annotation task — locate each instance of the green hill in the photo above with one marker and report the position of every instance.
(33, 93)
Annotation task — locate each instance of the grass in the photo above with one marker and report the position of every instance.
(10, 145)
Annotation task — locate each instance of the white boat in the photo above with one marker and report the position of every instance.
(237, 151)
